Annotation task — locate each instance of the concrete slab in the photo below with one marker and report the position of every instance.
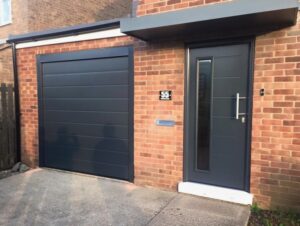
(194, 211)
(48, 197)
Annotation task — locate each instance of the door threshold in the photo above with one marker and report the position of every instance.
(215, 192)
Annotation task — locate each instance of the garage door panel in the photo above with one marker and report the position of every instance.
(69, 153)
(104, 105)
(107, 144)
(86, 79)
(87, 117)
(95, 168)
(118, 91)
(86, 105)
(85, 66)
(110, 131)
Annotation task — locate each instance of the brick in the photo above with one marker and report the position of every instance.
(147, 7)
(285, 40)
(283, 104)
(292, 59)
(273, 60)
(272, 110)
(172, 2)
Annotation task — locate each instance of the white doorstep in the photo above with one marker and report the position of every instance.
(214, 192)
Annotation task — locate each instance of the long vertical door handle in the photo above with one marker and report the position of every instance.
(237, 107)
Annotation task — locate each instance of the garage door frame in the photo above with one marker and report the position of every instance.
(86, 55)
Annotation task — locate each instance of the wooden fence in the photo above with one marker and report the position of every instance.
(8, 146)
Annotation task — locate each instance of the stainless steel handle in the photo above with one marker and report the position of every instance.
(237, 109)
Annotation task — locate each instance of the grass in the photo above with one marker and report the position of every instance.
(260, 217)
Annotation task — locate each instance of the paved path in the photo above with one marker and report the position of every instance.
(48, 197)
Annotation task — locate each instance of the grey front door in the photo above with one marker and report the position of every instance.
(218, 115)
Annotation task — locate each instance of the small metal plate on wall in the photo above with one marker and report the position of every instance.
(168, 123)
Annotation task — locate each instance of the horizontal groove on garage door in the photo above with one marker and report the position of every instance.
(86, 66)
(86, 113)
(95, 149)
(86, 92)
(111, 144)
(95, 168)
(110, 131)
(84, 154)
(85, 79)
(87, 105)
(87, 117)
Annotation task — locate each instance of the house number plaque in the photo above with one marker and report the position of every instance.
(165, 95)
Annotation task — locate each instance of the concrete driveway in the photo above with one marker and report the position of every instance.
(48, 197)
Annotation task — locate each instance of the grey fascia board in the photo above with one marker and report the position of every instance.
(206, 13)
(60, 32)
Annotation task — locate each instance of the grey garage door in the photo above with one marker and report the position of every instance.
(86, 112)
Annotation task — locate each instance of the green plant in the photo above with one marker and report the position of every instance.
(255, 208)
(293, 217)
(267, 222)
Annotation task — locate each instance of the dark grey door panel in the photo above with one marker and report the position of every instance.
(109, 131)
(87, 65)
(95, 104)
(86, 111)
(89, 78)
(90, 142)
(106, 91)
(119, 118)
(216, 141)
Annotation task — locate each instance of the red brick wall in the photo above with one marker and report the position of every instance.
(146, 7)
(275, 179)
(158, 150)
(28, 88)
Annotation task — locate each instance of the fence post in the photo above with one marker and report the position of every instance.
(8, 151)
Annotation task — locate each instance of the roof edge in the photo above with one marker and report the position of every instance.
(61, 32)
(192, 14)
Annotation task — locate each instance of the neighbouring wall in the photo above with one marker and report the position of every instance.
(6, 66)
(19, 19)
(62, 13)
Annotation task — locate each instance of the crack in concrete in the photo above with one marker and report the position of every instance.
(161, 209)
